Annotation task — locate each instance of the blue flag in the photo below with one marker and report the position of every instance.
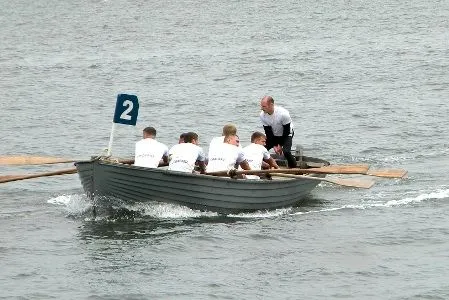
(126, 109)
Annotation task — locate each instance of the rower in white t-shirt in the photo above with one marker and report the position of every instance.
(184, 156)
(256, 154)
(228, 129)
(220, 140)
(224, 156)
(216, 140)
(148, 151)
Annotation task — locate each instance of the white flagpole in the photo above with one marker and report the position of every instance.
(111, 139)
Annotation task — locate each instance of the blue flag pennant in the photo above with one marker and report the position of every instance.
(126, 109)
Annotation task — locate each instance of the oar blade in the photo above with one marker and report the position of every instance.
(342, 169)
(389, 173)
(358, 183)
(365, 183)
(31, 160)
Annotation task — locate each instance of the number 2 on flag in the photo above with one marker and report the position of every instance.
(126, 109)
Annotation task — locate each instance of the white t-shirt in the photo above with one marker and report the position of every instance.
(216, 140)
(149, 152)
(223, 157)
(254, 154)
(280, 117)
(183, 157)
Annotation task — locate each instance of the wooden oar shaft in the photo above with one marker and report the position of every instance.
(354, 169)
(9, 178)
(42, 160)
(32, 160)
(366, 184)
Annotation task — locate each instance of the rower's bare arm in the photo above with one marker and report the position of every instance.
(245, 166)
(272, 162)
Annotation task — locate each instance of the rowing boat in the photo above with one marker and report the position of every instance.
(106, 181)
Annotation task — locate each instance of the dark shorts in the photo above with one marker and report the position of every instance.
(286, 148)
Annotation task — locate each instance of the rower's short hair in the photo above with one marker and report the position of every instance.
(190, 136)
(256, 135)
(150, 130)
(230, 136)
(229, 129)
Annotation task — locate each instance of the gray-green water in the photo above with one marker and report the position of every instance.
(364, 82)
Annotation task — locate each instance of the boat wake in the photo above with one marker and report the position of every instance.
(79, 206)
(441, 194)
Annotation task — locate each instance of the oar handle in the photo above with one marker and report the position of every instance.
(337, 169)
(366, 184)
(9, 178)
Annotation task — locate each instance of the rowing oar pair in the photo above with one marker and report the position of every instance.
(336, 169)
(361, 169)
(40, 160)
(333, 169)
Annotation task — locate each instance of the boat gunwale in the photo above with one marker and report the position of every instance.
(195, 175)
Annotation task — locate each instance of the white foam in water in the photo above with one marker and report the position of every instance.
(60, 200)
(75, 204)
(173, 211)
(318, 211)
(78, 204)
(396, 159)
(263, 214)
(169, 211)
(440, 194)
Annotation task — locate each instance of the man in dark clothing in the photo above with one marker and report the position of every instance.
(278, 128)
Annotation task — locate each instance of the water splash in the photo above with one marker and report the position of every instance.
(169, 211)
(76, 204)
(263, 214)
(79, 205)
(173, 211)
(439, 194)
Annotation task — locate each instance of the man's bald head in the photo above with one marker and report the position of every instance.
(267, 104)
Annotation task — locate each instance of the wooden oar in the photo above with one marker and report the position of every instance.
(390, 173)
(344, 169)
(42, 160)
(8, 178)
(366, 184)
(32, 160)
(337, 169)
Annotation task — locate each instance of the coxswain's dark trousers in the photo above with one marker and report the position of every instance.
(286, 148)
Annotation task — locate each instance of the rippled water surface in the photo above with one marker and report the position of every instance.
(364, 83)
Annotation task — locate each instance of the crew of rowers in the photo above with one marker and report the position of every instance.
(225, 153)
